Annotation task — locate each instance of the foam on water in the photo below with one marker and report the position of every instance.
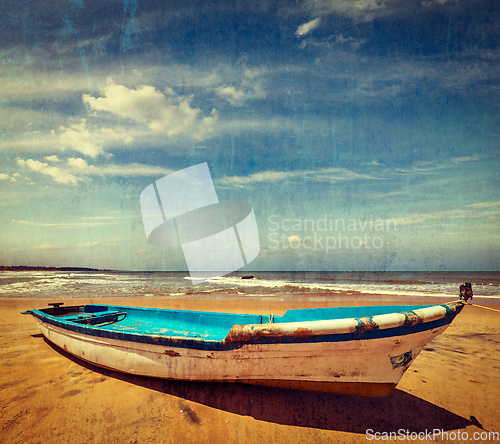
(268, 285)
(430, 289)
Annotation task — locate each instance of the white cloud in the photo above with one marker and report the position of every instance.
(265, 176)
(322, 175)
(77, 169)
(369, 10)
(107, 135)
(77, 137)
(133, 170)
(87, 222)
(487, 210)
(77, 163)
(232, 95)
(4, 176)
(46, 247)
(485, 205)
(165, 113)
(331, 175)
(89, 244)
(53, 158)
(95, 244)
(249, 88)
(436, 166)
(57, 174)
(362, 10)
(69, 135)
(127, 170)
(101, 218)
(308, 27)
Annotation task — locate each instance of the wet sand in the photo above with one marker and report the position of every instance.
(47, 396)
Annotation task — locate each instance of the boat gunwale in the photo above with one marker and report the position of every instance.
(348, 325)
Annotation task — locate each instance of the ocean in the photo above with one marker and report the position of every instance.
(404, 287)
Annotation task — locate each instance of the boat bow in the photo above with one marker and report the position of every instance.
(252, 333)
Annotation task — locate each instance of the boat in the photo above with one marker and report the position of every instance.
(362, 350)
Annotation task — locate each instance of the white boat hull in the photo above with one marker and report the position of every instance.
(371, 367)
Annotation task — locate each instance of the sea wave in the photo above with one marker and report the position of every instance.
(267, 285)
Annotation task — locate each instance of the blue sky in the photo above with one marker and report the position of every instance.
(364, 134)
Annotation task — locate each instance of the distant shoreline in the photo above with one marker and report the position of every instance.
(44, 268)
(41, 268)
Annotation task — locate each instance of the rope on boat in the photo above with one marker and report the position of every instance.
(486, 308)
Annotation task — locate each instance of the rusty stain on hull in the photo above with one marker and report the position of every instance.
(172, 353)
(302, 332)
(411, 319)
(366, 324)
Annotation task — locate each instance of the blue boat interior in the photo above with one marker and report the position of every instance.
(206, 326)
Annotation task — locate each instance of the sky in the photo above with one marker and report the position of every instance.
(365, 134)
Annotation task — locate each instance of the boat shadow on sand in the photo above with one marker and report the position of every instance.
(346, 413)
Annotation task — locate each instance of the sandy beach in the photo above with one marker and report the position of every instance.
(48, 396)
